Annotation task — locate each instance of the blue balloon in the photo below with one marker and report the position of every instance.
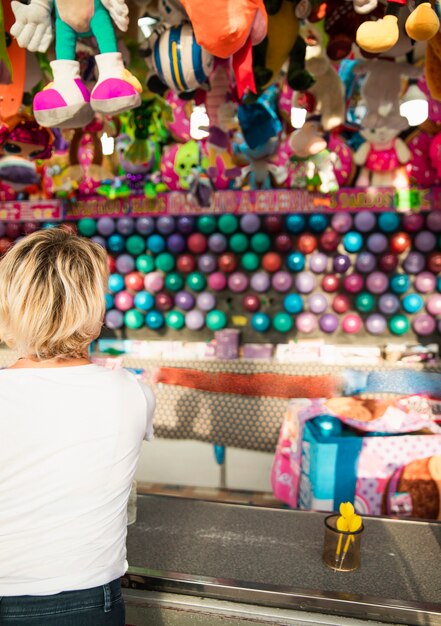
(293, 303)
(115, 283)
(156, 244)
(154, 320)
(144, 301)
(412, 303)
(295, 261)
(260, 322)
(295, 223)
(388, 222)
(352, 241)
(399, 283)
(109, 301)
(115, 243)
(318, 222)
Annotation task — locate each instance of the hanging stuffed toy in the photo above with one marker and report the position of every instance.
(66, 102)
(382, 158)
(260, 171)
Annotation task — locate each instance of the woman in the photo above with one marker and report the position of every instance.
(70, 437)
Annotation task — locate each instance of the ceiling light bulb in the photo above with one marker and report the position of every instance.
(298, 117)
(414, 106)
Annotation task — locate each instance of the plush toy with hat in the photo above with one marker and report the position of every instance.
(66, 102)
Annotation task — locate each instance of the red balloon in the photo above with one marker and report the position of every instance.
(330, 283)
(163, 301)
(227, 262)
(306, 243)
(400, 242)
(185, 263)
(283, 243)
(388, 262)
(197, 243)
(111, 264)
(434, 262)
(271, 262)
(5, 244)
(251, 303)
(134, 281)
(273, 223)
(13, 230)
(341, 303)
(329, 241)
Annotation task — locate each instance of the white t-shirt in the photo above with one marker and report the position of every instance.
(70, 439)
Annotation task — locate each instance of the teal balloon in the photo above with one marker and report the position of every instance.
(196, 281)
(135, 245)
(412, 303)
(260, 242)
(206, 224)
(216, 320)
(293, 303)
(399, 324)
(260, 322)
(352, 241)
(228, 224)
(239, 242)
(145, 263)
(174, 282)
(388, 222)
(250, 261)
(282, 322)
(365, 302)
(87, 227)
(399, 283)
(175, 320)
(133, 319)
(165, 262)
(154, 320)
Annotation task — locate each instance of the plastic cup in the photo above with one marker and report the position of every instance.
(341, 550)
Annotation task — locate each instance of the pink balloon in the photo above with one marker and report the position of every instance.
(424, 324)
(433, 304)
(237, 282)
(217, 281)
(306, 323)
(377, 282)
(154, 282)
(353, 283)
(124, 301)
(351, 323)
(282, 281)
(425, 282)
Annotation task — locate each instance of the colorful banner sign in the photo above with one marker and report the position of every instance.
(31, 211)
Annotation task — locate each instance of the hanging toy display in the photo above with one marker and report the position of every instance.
(382, 158)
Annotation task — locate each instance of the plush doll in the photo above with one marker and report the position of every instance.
(282, 43)
(260, 172)
(258, 119)
(66, 102)
(382, 158)
(381, 35)
(183, 168)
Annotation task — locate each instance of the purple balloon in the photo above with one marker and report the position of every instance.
(377, 243)
(176, 243)
(433, 304)
(375, 324)
(424, 324)
(341, 222)
(388, 303)
(125, 263)
(434, 221)
(328, 323)
(105, 226)
(341, 263)
(250, 223)
(366, 262)
(207, 263)
(165, 224)
(154, 282)
(186, 224)
(206, 301)
(217, 243)
(425, 241)
(318, 263)
(114, 319)
(306, 323)
(305, 282)
(425, 282)
(145, 225)
(260, 282)
(364, 221)
(125, 225)
(123, 301)
(184, 300)
(377, 282)
(414, 263)
(194, 320)
(96, 239)
(237, 282)
(282, 281)
(318, 303)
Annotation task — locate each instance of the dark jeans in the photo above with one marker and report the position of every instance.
(100, 606)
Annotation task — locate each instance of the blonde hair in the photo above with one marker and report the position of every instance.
(52, 294)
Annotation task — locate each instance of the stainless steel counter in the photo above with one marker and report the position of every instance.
(272, 558)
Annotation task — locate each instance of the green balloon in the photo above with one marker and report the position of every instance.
(228, 223)
(165, 262)
(282, 322)
(260, 242)
(239, 242)
(175, 320)
(399, 324)
(133, 319)
(145, 263)
(206, 224)
(364, 302)
(216, 320)
(135, 245)
(196, 281)
(250, 261)
(174, 282)
(87, 227)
